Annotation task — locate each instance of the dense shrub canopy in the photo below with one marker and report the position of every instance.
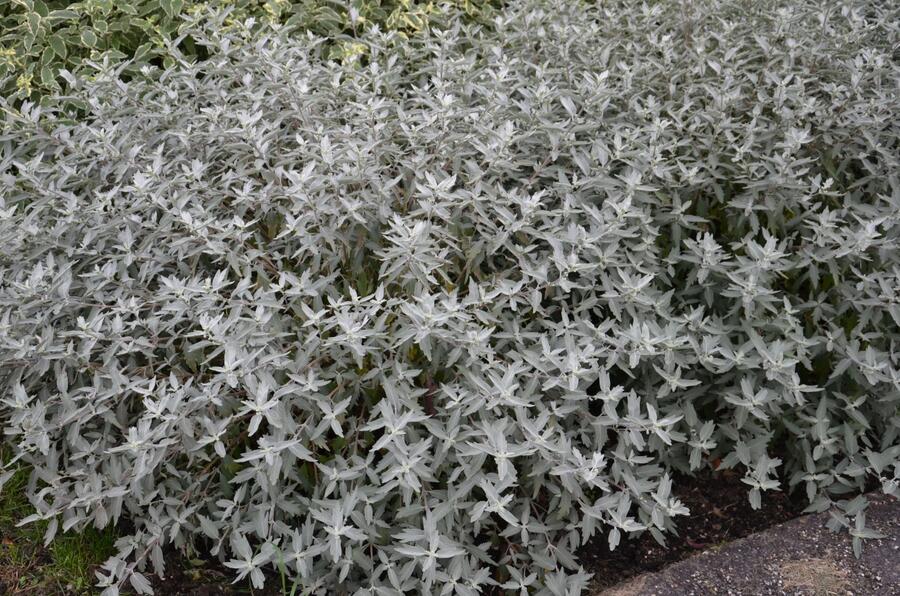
(429, 320)
(38, 37)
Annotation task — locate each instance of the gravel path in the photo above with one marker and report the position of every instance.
(798, 557)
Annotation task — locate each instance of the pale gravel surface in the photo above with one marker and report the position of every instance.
(798, 557)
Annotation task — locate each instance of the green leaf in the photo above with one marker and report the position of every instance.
(127, 8)
(47, 77)
(41, 8)
(142, 51)
(58, 45)
(142, 24)
(116, 55)
(34, 23)
(88, 38)
(47, 56)
(168, 8)
(56, 16)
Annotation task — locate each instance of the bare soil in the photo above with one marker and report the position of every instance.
(800, 557)
(720, 513)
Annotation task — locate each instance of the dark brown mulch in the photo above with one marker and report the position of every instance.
(206, 578)
(800, 557)
(202, 582)
(720, 512)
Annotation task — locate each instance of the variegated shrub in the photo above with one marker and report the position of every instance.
(429, 320)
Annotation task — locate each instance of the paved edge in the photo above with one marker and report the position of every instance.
(801, 556)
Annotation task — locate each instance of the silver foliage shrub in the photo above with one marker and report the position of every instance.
(430, 320)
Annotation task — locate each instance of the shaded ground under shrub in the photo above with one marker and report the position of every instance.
(720, 513)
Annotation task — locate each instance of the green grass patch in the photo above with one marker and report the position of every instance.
(28, 567)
